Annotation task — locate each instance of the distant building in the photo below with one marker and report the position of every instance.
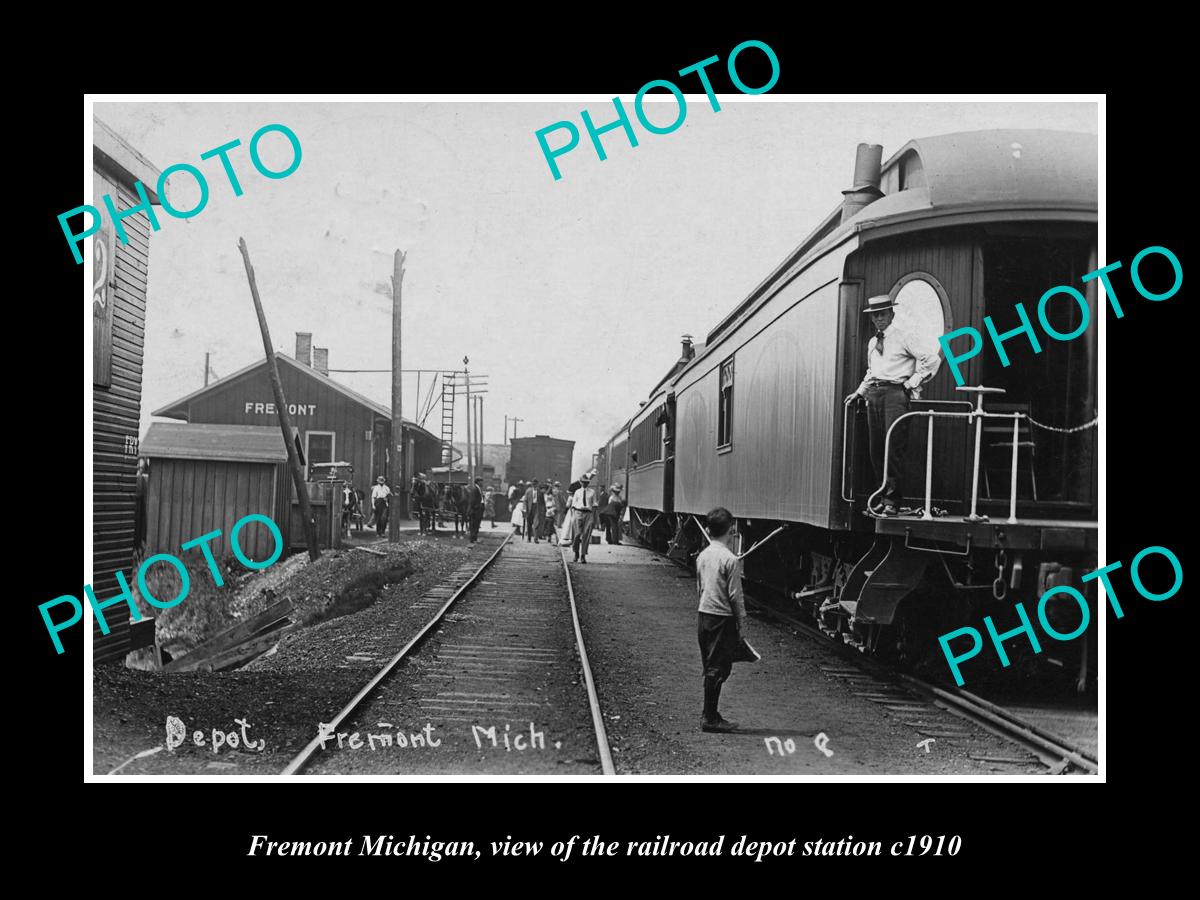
(494, 463)
(541, 457)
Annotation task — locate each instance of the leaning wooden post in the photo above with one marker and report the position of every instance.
(285, 422)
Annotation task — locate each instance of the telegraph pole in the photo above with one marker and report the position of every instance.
(285, 421)
(396, 454)
(470, 445)
(479, 432)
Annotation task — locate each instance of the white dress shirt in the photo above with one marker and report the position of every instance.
(380, 492)
(906, 359)
(584, 499)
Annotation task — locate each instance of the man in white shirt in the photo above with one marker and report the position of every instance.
(583, 507)
(380, 493)
(898, 363)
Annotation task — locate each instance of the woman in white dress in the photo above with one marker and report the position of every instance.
(518, 517)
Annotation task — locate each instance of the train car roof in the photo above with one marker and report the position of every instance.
(1014, 169)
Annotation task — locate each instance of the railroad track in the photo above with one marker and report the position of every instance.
(933, 711)
(496, 682)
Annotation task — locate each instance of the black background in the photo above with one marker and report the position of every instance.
(127, 831)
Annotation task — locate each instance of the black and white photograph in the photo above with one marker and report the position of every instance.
(690, 434)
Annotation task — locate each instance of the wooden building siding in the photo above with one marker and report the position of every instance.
(116, 409)
(187, 498)
(325, 410)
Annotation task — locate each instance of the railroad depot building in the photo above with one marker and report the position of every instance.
(331, 422)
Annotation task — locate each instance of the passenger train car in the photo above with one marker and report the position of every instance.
(954, 228)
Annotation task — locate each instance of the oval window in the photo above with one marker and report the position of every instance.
(922, 307)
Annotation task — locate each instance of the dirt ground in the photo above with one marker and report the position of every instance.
(639, 619)
(310, 675)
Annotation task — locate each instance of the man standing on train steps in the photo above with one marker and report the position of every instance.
(898, 363)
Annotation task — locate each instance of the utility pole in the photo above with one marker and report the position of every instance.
(285, 422)
(470, 445)
(515, 420)
(479, 432)
(206, 369)
(396, 454)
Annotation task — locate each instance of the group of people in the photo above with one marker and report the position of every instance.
(466, 504)
(566, 517)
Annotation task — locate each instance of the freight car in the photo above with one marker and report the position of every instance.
(1002, 472)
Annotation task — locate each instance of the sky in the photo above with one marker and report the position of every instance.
(569, 295)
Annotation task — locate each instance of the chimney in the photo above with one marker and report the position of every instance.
(304, 347)
(689, 349)
(867, 174)
(320, 360)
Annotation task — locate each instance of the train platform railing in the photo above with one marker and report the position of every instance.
(976, 413)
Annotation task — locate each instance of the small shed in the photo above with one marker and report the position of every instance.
(207, 477)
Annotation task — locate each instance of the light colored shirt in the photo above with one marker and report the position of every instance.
(584, 499)
(906, 359)
(719, 581)
(380, 492)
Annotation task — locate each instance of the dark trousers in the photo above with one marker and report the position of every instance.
(885, 404)
(473, 528)
(612, 529)
(533, 524)
(381, 517)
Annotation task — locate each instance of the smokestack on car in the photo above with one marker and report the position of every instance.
(689, 349)
(867, 174)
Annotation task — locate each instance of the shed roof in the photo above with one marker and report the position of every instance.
(231, 443)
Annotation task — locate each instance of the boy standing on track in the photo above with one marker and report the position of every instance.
(721, 624)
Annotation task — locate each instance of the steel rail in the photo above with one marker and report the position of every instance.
(606, 762)
(304, 756)
(980, 711)
(1044, 744)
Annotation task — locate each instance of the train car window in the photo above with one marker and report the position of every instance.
(725, 406)
(922, 306)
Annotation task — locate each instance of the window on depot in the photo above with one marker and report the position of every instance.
(318, 449)
(725, 406)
